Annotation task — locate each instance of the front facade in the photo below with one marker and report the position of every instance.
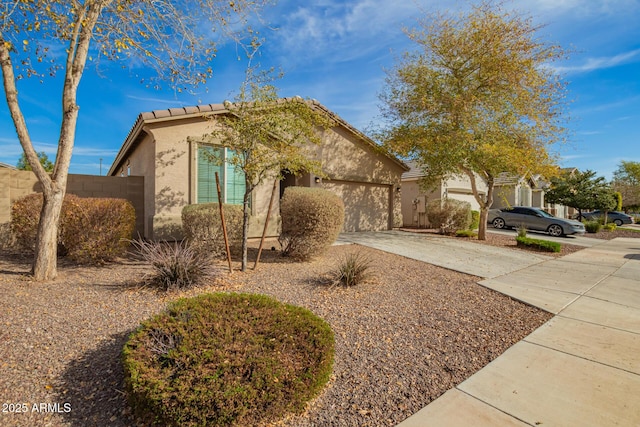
(165, 146)
(415, 196)
(510, 190)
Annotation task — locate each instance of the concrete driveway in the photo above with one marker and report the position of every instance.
(455, 254)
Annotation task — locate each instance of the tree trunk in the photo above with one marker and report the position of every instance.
(484, 210)
(245, 229)
(45, 261)
(482, 226)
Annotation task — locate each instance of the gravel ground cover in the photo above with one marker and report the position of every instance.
(618, 232)
(402, 339)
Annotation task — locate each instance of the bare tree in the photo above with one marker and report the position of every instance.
(175, 39)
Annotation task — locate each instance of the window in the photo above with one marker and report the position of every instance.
(232, 183)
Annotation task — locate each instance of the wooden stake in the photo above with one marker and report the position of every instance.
(266, 223)
(224, 225)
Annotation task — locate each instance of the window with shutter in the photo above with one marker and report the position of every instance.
(232, 182)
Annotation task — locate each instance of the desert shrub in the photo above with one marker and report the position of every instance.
(7, 239)
(90, 229)
(311, 221)
(227, 360)
(592, 226)
(353, 269)
(202, 226)
(466, 233)
(543, 245)
(176, 265)
(25, 214)
(521, 230)
(95, 230)
(610, 226)
(449, 215)
(475, 220)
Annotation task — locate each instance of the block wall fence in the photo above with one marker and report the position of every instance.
(15, 184)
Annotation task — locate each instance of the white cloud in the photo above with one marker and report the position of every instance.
(592, 64)
(578, 8)
(339, 31)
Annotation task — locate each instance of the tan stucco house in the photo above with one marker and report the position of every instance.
(164, 146)
(415, 196)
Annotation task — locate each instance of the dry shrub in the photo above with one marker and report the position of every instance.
(175, 265)
(96, 229)
(25, 214)
(202, 226)
(227, 360)
(449, 215)
(90, 230)
(312, 218)
(353, 269)
(7, 240)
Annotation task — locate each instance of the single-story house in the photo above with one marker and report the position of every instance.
(415, 196)
(165, 146)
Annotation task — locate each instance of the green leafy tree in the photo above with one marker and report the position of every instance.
(174, 40)
(582, 191)
(476, 99)
(268, 135)
(626, 180)
(23, 163)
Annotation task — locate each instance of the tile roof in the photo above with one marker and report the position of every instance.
(414, 172)
(208, 109)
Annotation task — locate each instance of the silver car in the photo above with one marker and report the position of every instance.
(618, 218)
(534, 219)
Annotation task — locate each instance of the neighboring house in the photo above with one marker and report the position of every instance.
(511, 190)
(165, 146)
(415, 196)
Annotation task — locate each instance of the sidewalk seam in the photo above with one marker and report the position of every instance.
(580, 357)
(492, 406)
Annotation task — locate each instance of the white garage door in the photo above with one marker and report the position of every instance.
(465, 198)
(366, 206)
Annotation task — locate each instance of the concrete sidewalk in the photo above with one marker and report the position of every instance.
(582, 368)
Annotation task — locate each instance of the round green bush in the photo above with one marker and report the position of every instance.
(449, 215)
(312, 219)
(592, 226)
(202, 226)
(226, 359)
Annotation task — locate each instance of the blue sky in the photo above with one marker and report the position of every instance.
(336, 52)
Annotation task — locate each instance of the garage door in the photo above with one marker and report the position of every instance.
(366, 206)
(465, 198)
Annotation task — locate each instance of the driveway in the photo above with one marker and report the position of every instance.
(460, 255)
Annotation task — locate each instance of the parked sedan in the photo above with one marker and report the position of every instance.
(618, 218)
(534, 219)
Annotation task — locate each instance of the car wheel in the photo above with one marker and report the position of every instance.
(555, 230)
(618, 222)
(498, 223)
